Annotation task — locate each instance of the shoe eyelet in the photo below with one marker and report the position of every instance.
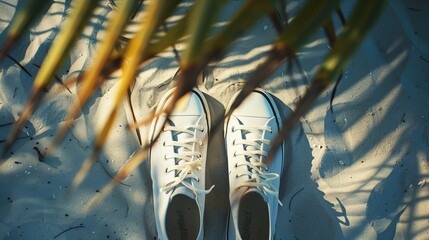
(236, 176)
(199, 155)
(163, 144)
(233, 142)
(166, 170)
(165, 157)
(198, 180)
(236, 165)
(233, 129)
(235, 154)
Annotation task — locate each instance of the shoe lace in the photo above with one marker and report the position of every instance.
(257, 170)
(187, 159)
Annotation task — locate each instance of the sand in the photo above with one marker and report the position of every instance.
(357, 171)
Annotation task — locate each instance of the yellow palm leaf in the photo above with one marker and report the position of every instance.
(65, 39)
(156, 13)
(21, 22)
(92, 77)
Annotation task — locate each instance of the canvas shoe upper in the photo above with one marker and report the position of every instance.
(178, 160)
(253, 184)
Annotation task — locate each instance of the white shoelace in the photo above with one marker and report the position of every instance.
(187, 161)
(253, 158)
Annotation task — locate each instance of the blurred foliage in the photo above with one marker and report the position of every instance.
(195, 29)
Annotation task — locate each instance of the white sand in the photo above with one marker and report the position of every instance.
(359, 172)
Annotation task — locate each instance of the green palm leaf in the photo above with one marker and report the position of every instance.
(68, 34)
(196, 30)
(157, 12)
(21, 22)
(91, 79)
(363, 17)
(300, 29)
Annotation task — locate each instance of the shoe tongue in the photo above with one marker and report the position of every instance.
(182, 190)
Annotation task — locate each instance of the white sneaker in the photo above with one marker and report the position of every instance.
(253, 185)
(178, 163)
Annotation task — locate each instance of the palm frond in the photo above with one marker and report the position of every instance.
(65, 39)
(203, 45)
(361, 20)
(201, 20)
(21, 22)
(298, 31)
(156, 13)
(91, 79)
